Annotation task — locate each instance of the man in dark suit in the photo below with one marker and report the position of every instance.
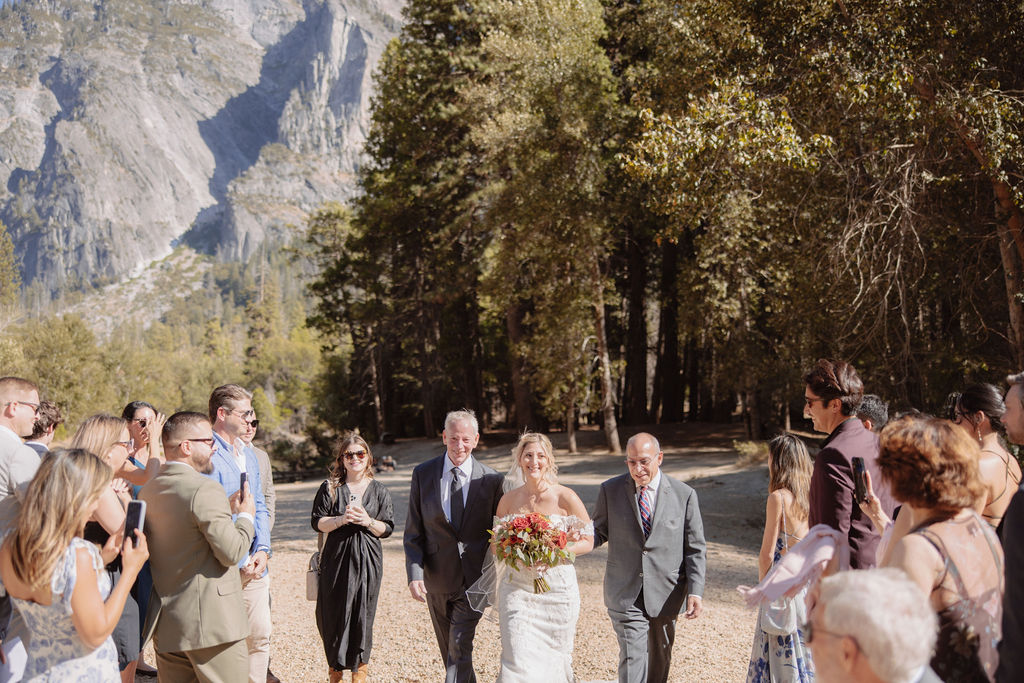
(197, 609)
(1011, 648)
(656, 559)
(452, 502)
(832, 395)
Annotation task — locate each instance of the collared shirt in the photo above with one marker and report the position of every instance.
(466, 468)
(241, 515)
(652, 493)
(226, 473)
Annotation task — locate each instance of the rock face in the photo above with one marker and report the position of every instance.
(129, 125)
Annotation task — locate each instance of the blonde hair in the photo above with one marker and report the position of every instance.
(98, 434)
(791, 468)
(517, 452)
(54, 510)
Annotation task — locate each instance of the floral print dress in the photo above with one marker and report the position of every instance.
(776, 657)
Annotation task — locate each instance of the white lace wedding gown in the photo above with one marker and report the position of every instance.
(538, 629)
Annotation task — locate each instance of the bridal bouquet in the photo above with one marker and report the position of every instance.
(530, 541)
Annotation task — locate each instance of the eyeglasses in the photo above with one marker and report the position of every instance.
(255, 424)
(353, 455)
(129, 444)
(33, 406)
(809, 629)
(142, 421)
(245, 415)
(208, 441)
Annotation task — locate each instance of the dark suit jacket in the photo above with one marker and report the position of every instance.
(832, 489)
(669, 564)
(1011, 648)
(446, 560)
(194, 547)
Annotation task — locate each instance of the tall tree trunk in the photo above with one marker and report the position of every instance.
(668, 365)
(611, 428)
(378, 412)
(634, 404)
(570, 424)
(693, 377)
(517, 365)
(1013, 282)
(470, 353)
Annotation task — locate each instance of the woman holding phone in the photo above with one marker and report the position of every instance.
(355, 512)
(56, 578)
(107, 437)
(776, 656)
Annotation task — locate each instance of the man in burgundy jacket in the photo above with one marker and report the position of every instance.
(832, 394)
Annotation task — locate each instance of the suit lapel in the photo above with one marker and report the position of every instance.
(473, 495)
(629, 488)
(666, 503)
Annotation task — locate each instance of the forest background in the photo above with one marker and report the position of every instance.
(584, 212)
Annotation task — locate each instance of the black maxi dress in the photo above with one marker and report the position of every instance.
(351, 564)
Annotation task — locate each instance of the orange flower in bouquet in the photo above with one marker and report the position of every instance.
(530, 541)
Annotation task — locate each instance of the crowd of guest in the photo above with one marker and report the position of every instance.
(926, 498)
(145, 526)
(899, 545)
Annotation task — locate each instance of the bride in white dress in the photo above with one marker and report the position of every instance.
(538, 629)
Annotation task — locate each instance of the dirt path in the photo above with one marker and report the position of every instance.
(715, 647)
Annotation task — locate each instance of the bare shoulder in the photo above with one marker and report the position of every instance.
(569, 501)
(511, 501)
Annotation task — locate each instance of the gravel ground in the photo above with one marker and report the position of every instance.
(715, 647)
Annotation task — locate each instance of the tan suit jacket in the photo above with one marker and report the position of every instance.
(194, 549)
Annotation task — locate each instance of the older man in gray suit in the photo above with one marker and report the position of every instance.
(656, 559)
(452, 502)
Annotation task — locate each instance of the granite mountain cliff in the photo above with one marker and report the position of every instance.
(129, 126)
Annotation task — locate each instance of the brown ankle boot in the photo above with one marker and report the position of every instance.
(335, 675)
(359, 676)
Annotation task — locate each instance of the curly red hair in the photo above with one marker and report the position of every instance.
(930, 463)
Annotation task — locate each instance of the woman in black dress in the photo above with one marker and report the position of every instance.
(355, 512)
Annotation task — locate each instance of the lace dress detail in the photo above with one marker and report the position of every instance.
(55, 652)
(970, 626)
(538, 629)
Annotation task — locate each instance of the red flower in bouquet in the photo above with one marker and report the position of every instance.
(529, 541)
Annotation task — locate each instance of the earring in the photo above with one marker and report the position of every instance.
(979, 434)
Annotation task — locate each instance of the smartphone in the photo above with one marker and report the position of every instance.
(135, 518)
(241, 486)
(860, 484)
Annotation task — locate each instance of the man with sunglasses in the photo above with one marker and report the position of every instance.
(832, 395)
(231, 412)
(19, 409)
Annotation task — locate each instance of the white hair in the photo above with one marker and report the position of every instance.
(887, 614)
(464, 415)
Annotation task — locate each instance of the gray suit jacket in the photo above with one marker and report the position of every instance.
(18, 464)
(668, 565)
(194, 547)
(446, 560)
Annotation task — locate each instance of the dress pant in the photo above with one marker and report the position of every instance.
(256, 594)
(645, 643)
(454, 625)
(227, 663)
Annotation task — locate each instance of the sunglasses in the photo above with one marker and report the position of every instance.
(353, 455)
(255, 424)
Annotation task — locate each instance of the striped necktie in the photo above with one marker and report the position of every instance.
(644, 501)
